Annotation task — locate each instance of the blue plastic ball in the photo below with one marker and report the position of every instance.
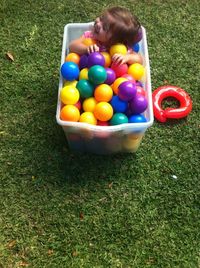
(137, 118)
(119, 106)
(136, 47)
(70, 71)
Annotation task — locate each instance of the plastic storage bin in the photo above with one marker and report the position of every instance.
(83, 137)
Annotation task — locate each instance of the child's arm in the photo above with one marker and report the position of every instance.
(77, 46)
(129, 58)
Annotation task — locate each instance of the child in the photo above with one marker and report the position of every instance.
(115, 25)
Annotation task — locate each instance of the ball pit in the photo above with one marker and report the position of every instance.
(110, 97)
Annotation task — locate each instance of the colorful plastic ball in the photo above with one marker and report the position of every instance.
(137, 118)
(118, 48)
(103, 92)
(83, 74)
(140, 90)
(119, 69)
(70, 70)
(69, 95)
(103, 111)
(118, 118)
(89, 104)
(96, 58)
(88, 117)
(111, 76)
(70, 113)
(70, 83)
(127, 91)
(129, 78)
(119, 106)
(107, 58)
(85, 87)
(97, 74)
(78, 105)
(138, 36)
(136, 70)
(102, 123)
(136, 47)
(89, 41)
(138, 104)
(74, 57)
(117, 82)
(83, 63)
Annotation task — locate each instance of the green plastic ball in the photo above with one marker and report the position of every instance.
(118, 118)
(97, 74)
(85, 88)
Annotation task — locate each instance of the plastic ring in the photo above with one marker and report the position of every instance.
(171, 91)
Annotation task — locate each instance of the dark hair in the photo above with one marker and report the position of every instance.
(123, 25)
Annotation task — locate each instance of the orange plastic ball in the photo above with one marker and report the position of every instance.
(89, 104)
(69, 95)
(103, 92)
(88, 117)
(103, 111)
(70, 113)
(136, 70)
(74, 57)
(117, 82)
(89, 41)
(107, 58)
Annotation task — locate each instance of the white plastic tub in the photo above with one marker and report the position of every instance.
(104, 139)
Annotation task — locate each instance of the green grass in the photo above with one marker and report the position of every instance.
(61, 209)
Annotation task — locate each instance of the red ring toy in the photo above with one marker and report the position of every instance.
(171, 91)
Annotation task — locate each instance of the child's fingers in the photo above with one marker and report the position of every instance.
(93, 48)
(118, 59)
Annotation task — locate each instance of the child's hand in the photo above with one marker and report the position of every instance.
(92, 48)
(120, 59)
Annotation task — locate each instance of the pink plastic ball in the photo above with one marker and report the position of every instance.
(119, 69)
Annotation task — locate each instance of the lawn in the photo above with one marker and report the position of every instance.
(64, 209)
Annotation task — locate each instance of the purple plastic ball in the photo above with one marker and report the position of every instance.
(111, 76)
(138, 36)
(138, 104)
(83, 62)
(127, 91)
(96, 58)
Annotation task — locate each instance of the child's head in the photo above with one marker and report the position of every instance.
(116, 25)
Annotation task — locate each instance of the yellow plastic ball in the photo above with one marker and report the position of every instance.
(103, 111)
(69, 95)
(103, 92)
(117, 82)
(89, 41)
(118, 48)
(70, 113)
(89, 104)
(88, 117)
(83, 74)
(107, 58)
(136, 70)
(70, 83)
